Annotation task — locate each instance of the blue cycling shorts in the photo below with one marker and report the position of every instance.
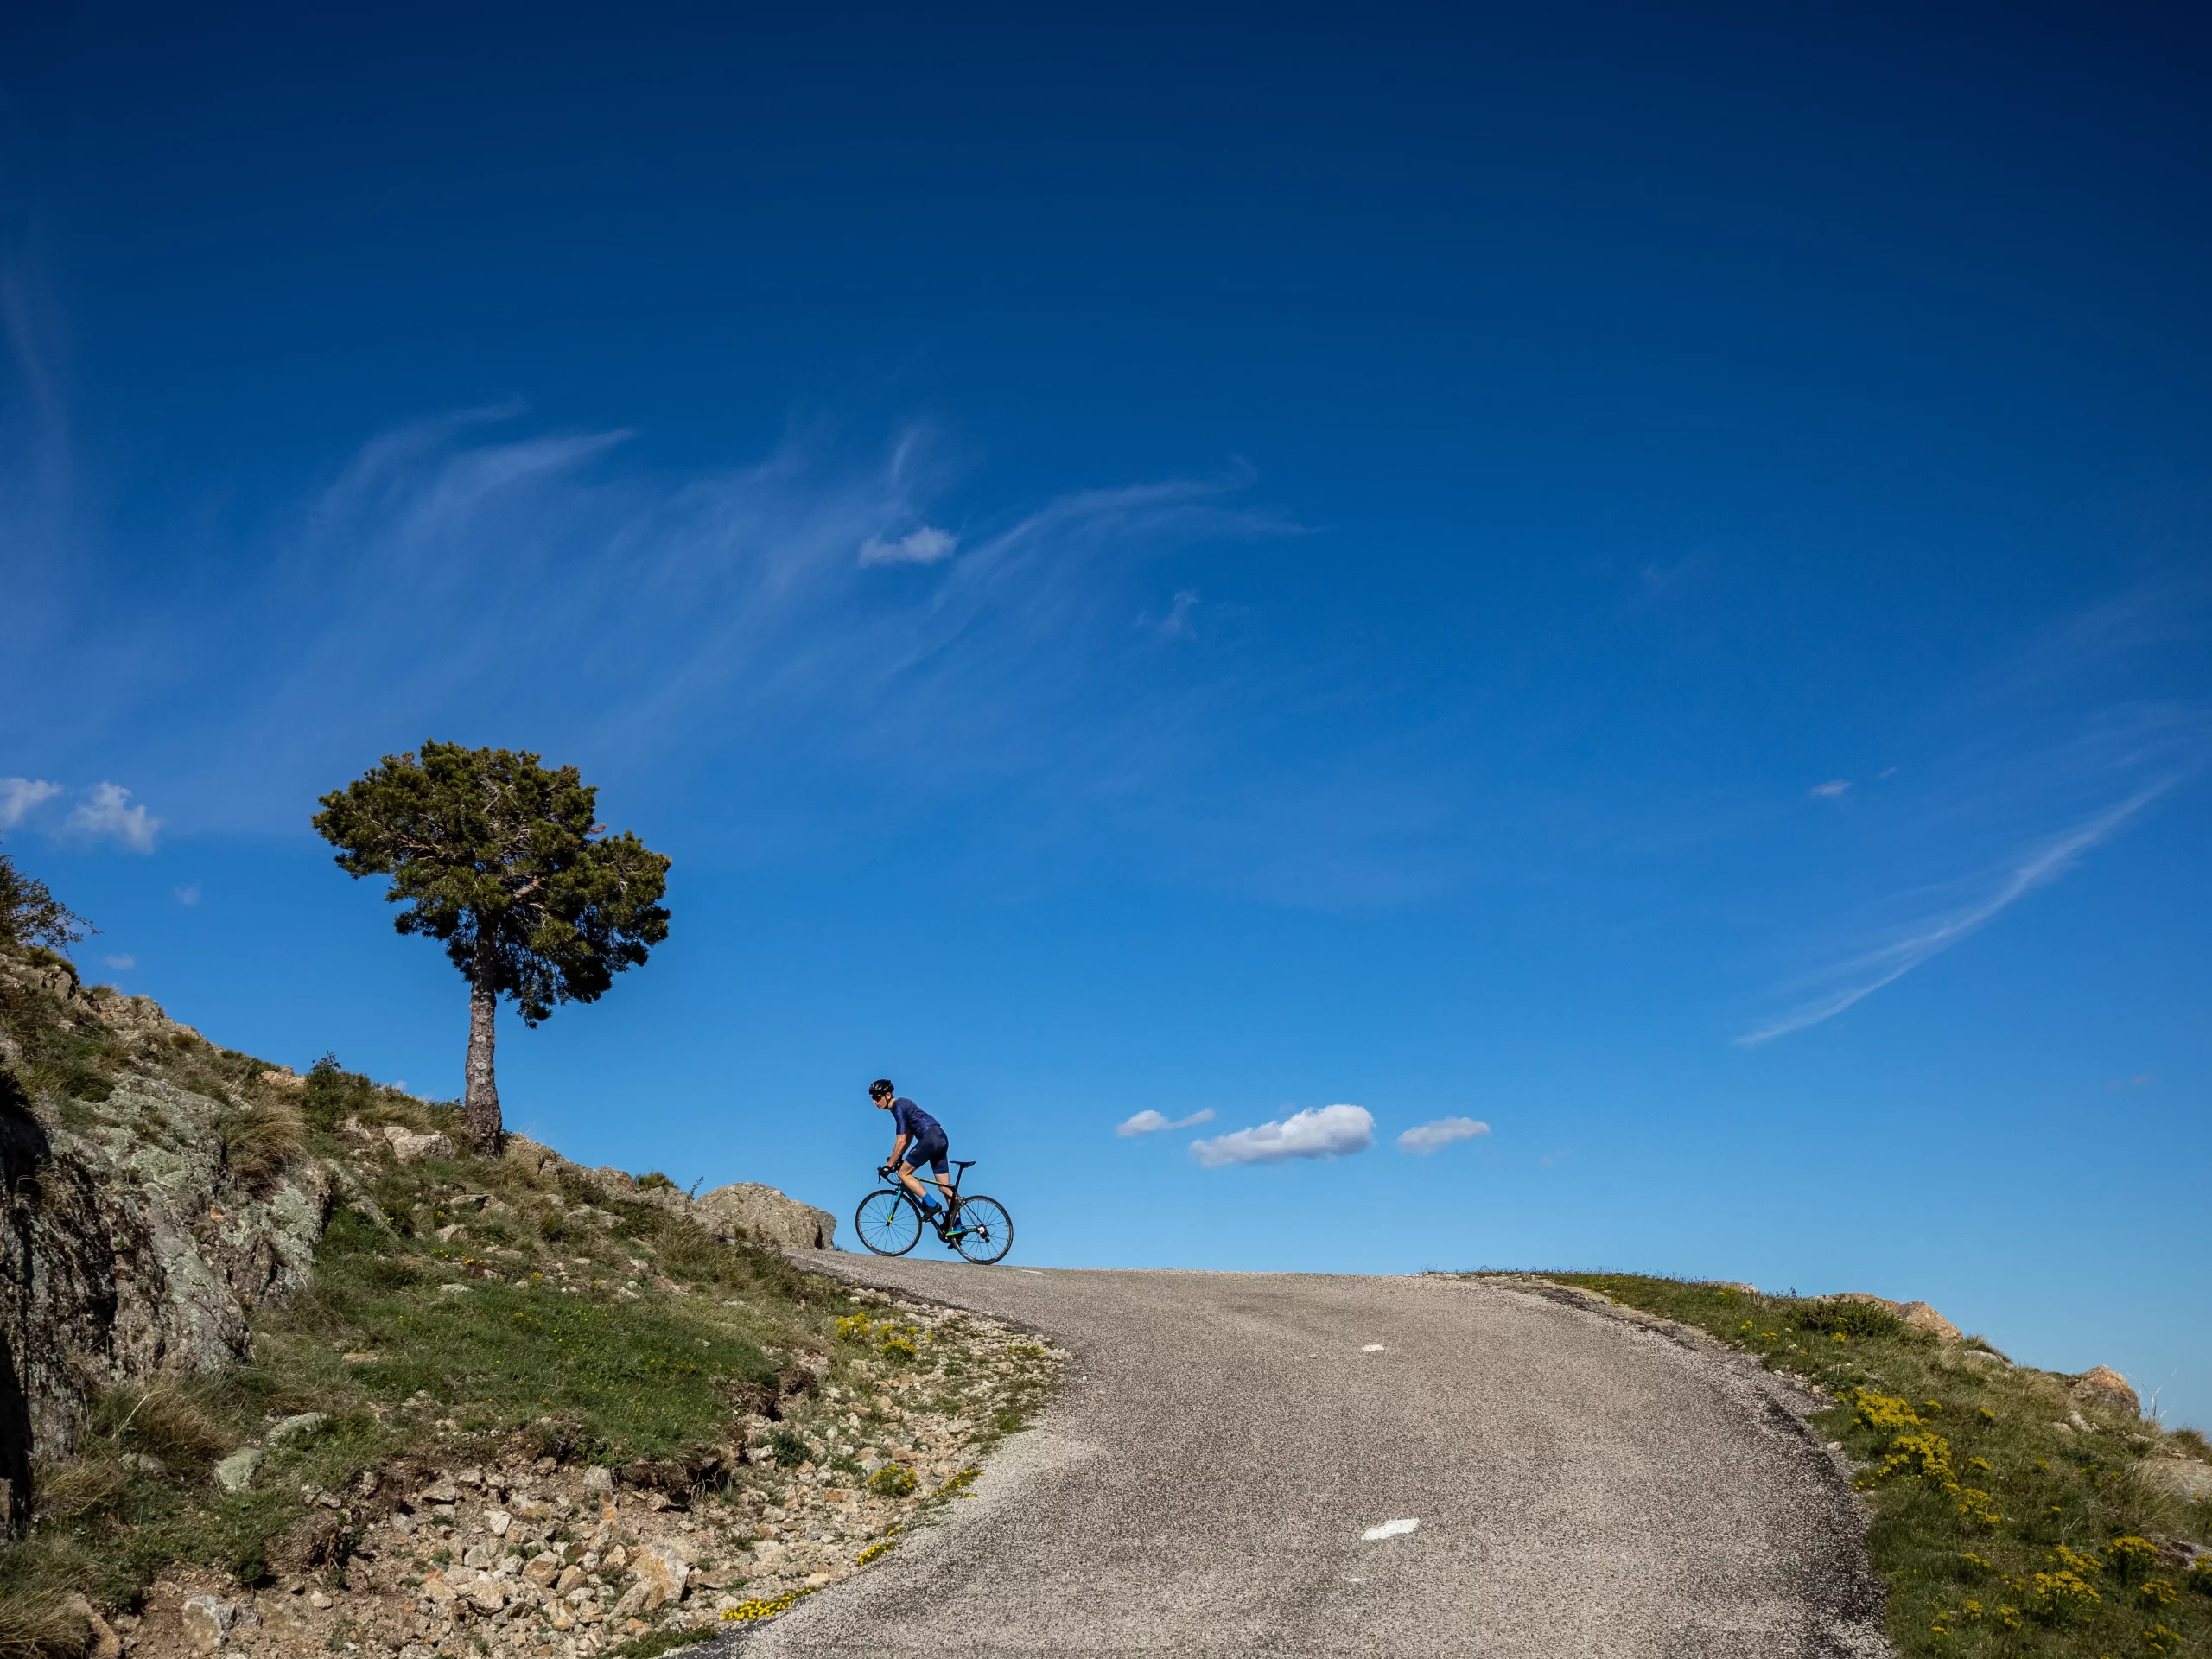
(931, 1152)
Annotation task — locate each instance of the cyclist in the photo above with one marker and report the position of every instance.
(920, 1140)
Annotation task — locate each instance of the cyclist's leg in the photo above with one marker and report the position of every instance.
(912, 1184)
(936, 1155)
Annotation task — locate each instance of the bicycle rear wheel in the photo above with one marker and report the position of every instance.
(989, 1233)
(887, 1221)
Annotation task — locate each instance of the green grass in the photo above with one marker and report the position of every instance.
(649, 1379)
(1994, 1532)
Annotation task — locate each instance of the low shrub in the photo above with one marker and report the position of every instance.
(892, 1480)
(656, 1643)
(2127, 1558)
(1858, 1319)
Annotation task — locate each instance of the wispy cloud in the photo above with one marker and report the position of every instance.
(1863, 974)
(722, 615)
(121, 961)
(924, 546)
(20, 796)
(1830, 790)
(188, 894)
(1317, 1132)
(105, 813)
(1426, 1138)
(453, 559)
(1180, 622)
(1150, 1122)
(2030, 767)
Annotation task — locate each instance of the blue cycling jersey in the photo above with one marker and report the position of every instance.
(913, 1122)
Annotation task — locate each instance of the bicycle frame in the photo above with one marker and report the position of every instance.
(885, 1237)
(892, 1173)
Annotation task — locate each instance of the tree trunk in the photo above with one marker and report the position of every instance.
(481, 1102)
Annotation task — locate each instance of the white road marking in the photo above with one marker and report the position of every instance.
(1372, 1348)
(1398, 1529)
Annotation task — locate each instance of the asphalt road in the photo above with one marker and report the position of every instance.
(1582, 1486)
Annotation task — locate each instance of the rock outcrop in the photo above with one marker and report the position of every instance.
(139, 1221)
(1915, 1315)
(2185, 1477)
(742, 1210)
(2102, 1386)
(765, 1215)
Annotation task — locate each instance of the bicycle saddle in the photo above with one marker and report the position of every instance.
(963, 1163)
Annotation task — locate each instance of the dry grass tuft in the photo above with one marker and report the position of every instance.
(164, 1421)
(260, 1142)
(40, 1625)
(81, 1487)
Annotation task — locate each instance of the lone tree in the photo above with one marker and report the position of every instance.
(506, 863)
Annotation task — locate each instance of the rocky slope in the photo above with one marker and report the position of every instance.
(154, 1188)
(453, 1548)
(282, 1367)
(141, 1213)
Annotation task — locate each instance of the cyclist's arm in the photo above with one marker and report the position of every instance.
(898, 1145)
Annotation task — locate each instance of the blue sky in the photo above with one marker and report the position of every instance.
(1642, 582)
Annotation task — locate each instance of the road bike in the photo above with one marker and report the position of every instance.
(889, 1220)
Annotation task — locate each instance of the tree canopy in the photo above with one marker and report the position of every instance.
(505, 860)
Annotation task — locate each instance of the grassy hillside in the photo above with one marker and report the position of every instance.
(2013, 1513)
(508, 1398)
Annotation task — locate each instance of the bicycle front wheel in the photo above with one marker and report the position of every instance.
(887, 1221)
(989, 1233)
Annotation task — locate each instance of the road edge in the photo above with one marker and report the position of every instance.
(1858, 1611)
(849, 1268)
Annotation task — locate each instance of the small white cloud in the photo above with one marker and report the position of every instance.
(1317, 1132)
(187, 895)
(1830, 790)
(1553, 1159)
(926, 546)
(1389, 1529)
(1427, 1137)
(103, 812)
(1150, 1122)
(121, 962)
(19, 795)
